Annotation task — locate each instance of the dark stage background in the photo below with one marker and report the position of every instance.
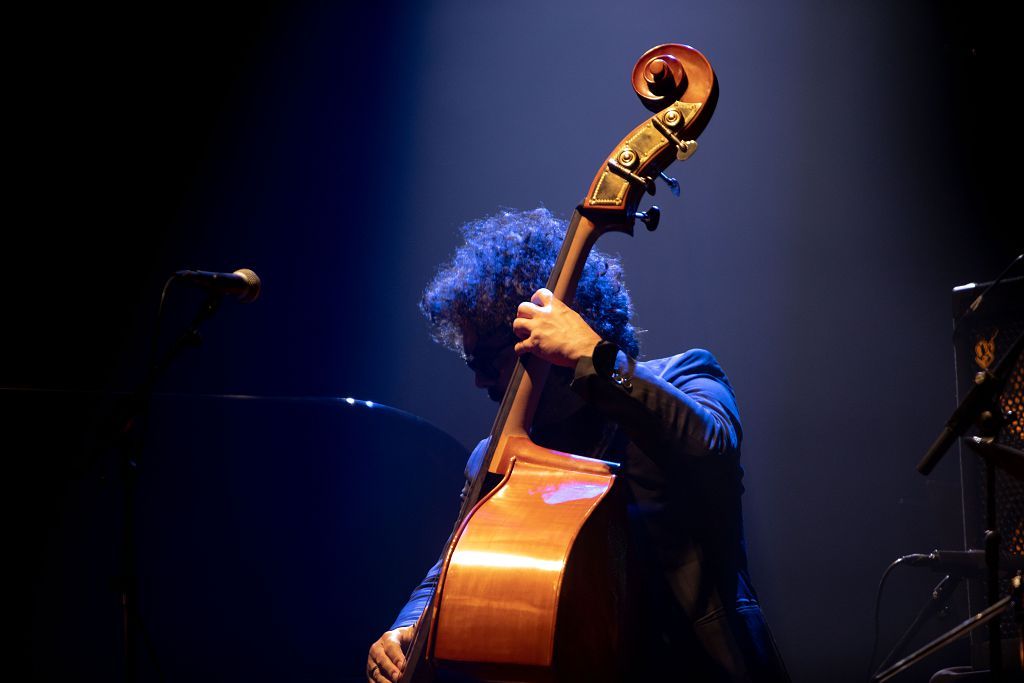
(854, 172)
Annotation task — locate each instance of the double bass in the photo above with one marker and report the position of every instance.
(534, 582)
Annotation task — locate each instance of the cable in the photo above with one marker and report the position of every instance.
(878, 606)
(151, 366)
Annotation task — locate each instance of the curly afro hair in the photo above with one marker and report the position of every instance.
(504, 259)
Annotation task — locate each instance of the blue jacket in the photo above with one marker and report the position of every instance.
(674, 425)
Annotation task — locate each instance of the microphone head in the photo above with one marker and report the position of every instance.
(252, 281)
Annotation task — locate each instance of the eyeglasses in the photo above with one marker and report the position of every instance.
(481, 359)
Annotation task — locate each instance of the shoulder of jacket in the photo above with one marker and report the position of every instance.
(691, 362)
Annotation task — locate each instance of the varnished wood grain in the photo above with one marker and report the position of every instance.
(499, 601)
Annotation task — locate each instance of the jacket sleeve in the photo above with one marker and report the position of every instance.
(680, 405)
(420, 597)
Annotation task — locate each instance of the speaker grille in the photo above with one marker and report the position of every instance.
(981, 343)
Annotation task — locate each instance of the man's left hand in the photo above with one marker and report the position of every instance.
(552, 331)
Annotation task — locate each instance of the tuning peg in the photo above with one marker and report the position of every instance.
(650, 218)
(673, 184)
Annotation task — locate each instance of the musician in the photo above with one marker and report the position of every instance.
(672, 422)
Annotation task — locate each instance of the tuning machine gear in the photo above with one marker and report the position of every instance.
(622, 165)
(684, 148)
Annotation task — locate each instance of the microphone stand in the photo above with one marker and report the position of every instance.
(989, 615)
(981, 408)
(995, 455)
(128, 427)
(938, 603)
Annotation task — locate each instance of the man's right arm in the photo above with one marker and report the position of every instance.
(688, 408)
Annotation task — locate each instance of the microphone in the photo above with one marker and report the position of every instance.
(976, 304)
(987, 385)
(961, 562)
(944, 560)
(243, 283)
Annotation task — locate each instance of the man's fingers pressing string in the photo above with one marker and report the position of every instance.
(542, 297)
(380, 665)
(378, 675)
(395, 654)
(527, 309)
